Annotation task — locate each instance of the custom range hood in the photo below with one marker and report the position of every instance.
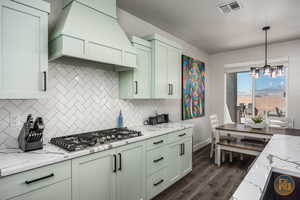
(89, 30)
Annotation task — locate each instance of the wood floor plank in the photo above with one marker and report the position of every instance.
(207, 181)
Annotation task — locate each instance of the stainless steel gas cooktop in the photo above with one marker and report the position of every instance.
(84, 140)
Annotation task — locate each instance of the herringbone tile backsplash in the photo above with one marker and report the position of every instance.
(79, 99)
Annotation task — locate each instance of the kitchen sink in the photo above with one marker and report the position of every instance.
(282, 185)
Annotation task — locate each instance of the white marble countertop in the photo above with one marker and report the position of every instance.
(14, 160)
(281, 154)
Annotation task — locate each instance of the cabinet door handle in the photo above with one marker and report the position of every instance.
(180, 153)
(159, 182)
(115, 163)
(159, 142)
(39, 179)
(182, 149)
(120, 161)
(45, 80)
(136, 87)
(158, 160)
(169, 86)
(171, 89)
(181, 135)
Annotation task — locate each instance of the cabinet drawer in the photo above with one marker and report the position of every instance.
(157, 142)
(59, 191)
(156, 159)
(156, 183)
(180, 135)
(21, 183)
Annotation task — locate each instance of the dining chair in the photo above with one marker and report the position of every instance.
(214, 121)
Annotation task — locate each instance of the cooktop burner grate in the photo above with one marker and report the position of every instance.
(82, 141)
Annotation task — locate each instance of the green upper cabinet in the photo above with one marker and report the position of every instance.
(158, 72)
(24, 49)
(136, 84)
(174, 73)
(166, 68)
(160, 86)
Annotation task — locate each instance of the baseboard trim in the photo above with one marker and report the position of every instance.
(201, 144)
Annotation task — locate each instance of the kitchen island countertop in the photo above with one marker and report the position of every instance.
(280, 154)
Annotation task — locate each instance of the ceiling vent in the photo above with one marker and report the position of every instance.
(228, 7)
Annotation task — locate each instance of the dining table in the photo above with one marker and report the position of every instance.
(241, 131)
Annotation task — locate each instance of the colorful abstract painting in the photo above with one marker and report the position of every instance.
(193, 88)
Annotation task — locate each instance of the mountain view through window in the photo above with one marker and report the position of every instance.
(269, 94)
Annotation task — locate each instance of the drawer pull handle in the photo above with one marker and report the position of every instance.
(39, 179)
(159, 182)
(181, 150)
(159, 142)
(158, 160)
(181, 135)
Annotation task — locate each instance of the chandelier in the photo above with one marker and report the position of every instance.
(267, 70)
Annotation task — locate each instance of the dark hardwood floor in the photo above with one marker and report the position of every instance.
(207, 181)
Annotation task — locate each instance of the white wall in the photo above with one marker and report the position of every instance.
(289, 49)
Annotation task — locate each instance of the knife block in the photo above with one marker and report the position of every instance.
(24, 144)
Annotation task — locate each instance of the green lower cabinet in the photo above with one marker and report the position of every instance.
(93, 177)
(46, 183)
(174, 163)
(186, 158)
(177, 154)
(110, 175)
(57, 191)
(131, 172)
(156, 183)
(124, 173)
(179, 160)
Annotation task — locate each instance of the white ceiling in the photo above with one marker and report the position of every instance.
(200, 23)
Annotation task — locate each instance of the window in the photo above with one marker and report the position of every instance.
(247, 96)
(270, 96)
(244, 91)
(244, 105)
